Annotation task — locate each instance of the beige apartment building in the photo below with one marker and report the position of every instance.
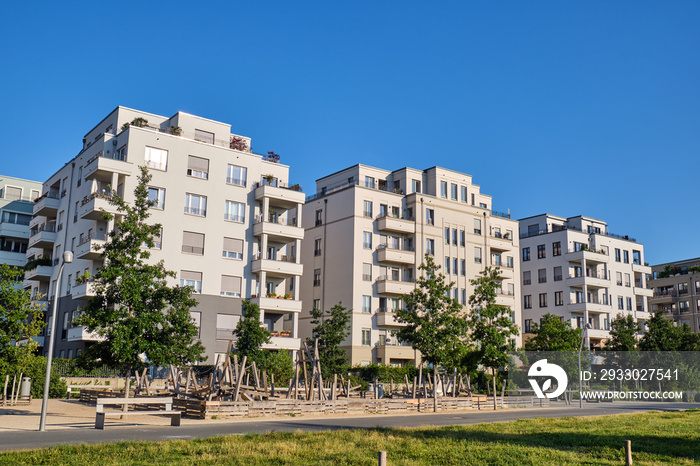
(574, 268)
(676, 287)
(16, 204)
(366, 233)
(229, 223)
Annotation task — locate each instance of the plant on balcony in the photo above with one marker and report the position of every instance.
(34, 263)
(238, 143)
(296, 187)
(330, 328)
(83, 278)
(138, 122)
(272, 295)
(269, 178)
(287, 296)
(142, 319)
(175, 130)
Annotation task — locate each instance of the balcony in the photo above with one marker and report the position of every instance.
(278, 231)
(41, 273)
(639, 268)
(84, 290)
(388, 319)
(47, 205)
(599, 280)
(598, 334)
(277, 305)
(283, 343)
(80, 334)
(639, 291)
(500, 243)
(590, 307)
(90, 249)
(14, 230)
(504, 299)
(101, 167)
(44, 237)
(93, 206)
(15, 259)
(396, 287)
(386, 353)
(590, 255)
(279, 196)
(399, 256)
(506, 272)
(285, 267)
(395, 224)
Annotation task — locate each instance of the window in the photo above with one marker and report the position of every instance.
(477, 255)
(193, 243)
(454, 236)
(454, 266)
(236, 175)
(453, 192)
(463, 192)
(369, 182)
(197, 321)
(120, 154)
(627, 280)
(317, 277)
(462, 238)
(430, 216)
(542, 276)
(463, 267)
(317, 246)
(684, 306)
(156, 158)
(70, 279)
(430, 246)
(527, 279)
(158, 240)
(17, 219)
(528, 325)
(366, 304)
(225, 325)
(317, 304)
(620, 303)
(34, 195)
(366, 337)
(319, 217)
(231, 286)
(682, 287)
(157, 197)
(626, 257)
(367, 240)
(477, 226)
(526, 254)
(557, 274)
(629, 304)
(367, 272)
(196, 204)
(556, 248)
(13, 245)
(618, 276)
(447, 236)
(496, 259)
(509, 262)
(233, 249)
(234, 211)
(464, 297)
(197, 167)
(543, 299)
(541, 252)
(527, 301)
(203, 136)
(447, 265)
(416, 186)
(443, 189)
(617, 255)
(367, 212)
(193, 279)
(558, 298)
(13, 193)
(383, 210)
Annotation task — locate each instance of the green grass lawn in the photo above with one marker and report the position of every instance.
(657, 438)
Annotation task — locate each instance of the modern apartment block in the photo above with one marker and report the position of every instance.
(229, 223)
(574, 268)
(16, 204)
(676, 287)
(367, 231)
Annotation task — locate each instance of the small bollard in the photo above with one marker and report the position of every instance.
(628, 452)
(382, 458)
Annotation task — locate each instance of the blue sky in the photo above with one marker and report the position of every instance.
(562, 107)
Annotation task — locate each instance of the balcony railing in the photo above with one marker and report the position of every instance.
(48, 227)
(291, 259)
(544, 231)
(196, 211)
(113, 156)
(276, 220)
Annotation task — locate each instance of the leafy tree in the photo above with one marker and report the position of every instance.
(141, 318)
(553, 335)
(661, 334)
(491, 326)
(435, 324)
(250, 335)
(623, 334)
(277, 363)
(331, 330)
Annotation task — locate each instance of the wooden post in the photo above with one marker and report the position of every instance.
(235, 367)
(239, 379)
(257, 377)
(420, 377)
(454, 383)
(435, 392)
(413, 392)
(382, 458)
(335, 382)
(4, 390)
(272, 385)
(628, 452)
(348, 389)
(391, 387)
(376, 389)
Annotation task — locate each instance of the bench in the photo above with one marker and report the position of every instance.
(75, 388)
(166, 402)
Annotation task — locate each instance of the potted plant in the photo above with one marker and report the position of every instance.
(175, 130)
(269, 179)
(272, 295)
(80, 279)
(287, 296)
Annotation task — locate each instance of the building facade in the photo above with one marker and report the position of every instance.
(676, 287)
(367, 231)
(16, 205)
(228, 219)
(575, 269)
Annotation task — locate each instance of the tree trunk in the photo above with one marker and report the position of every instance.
(494, 389)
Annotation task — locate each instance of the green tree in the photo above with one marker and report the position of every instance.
(492, 328)
(141, 319)
(250, 335)
(623, 334)
(435, 324)
(330, 329)
(553, 334)
(661, 334)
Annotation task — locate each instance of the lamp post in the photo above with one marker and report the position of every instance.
(580, 384)
(67, 259)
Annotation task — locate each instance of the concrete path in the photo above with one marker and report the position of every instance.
(71, 422)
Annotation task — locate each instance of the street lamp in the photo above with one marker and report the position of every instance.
(580, 384)
(67, 259)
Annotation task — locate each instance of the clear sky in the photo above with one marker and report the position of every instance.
(568, 108)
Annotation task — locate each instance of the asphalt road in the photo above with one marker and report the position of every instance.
(31, 440)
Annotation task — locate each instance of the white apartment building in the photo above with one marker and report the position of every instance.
(228, 219)
(16, 204)
(367, 231)
(676, 287)
(574, 268)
